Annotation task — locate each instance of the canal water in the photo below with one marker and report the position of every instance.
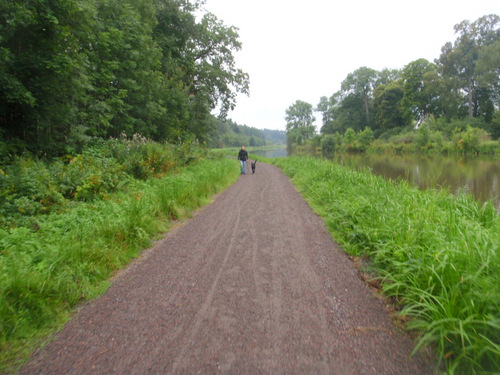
(480, 176)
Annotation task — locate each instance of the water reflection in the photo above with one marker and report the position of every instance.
(478, 175)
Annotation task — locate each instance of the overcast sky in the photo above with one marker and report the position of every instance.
(302, 50)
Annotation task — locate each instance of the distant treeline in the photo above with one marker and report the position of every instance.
(230, 134)
(76, 71)
(460, 89)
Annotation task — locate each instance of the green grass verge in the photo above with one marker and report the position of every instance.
(438, 255)
(45, 273)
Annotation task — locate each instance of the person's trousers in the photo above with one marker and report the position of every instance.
(243, 164)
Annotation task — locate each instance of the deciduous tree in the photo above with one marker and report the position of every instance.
(457, 62)
(74, 70)
(299, 119)
(388, 108)
(361, 83)
(328, 109)
(420, 99)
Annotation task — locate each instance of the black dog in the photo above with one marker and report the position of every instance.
(253, 166)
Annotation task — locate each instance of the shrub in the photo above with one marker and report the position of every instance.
(30, 187)
(349, 136)
(365, 137)
(489, 147)
(404, 138)
(468, 141)
(328, 144)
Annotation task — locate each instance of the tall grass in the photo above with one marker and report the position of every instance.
(44, 273)
(438, 255)
(31, 187)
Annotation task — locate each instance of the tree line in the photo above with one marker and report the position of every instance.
(228, 133)
(460, 88)
(75, 71)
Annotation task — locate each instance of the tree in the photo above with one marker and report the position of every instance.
(388, 109)
(457, 62)
(328, 108)
(201, 56)
(350, 114)
(124, 95)
(274, 136)
(420, 98)
(42, 70)
(361, 83)
(386, 76)
(340, 112)
(215, 65)
(227, 133)
(488, 69)
(72, 71)
(299, 119)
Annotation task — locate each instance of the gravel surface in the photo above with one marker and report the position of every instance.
(252, 284)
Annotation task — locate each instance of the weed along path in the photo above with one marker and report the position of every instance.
(252, 284)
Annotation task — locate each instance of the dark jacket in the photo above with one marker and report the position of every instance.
(243, 155)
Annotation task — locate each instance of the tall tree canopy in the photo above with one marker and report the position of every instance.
(327, 108)
(388, 107)
(74, 70)
(419, 93)
(299, 116)
(300, 121)
(459, 62)
(361, 84)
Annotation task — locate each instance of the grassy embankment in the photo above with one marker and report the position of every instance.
(68, 226)
(438, 255)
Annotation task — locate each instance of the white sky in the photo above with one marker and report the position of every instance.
(302, 50)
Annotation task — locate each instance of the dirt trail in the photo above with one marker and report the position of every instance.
(253, 284)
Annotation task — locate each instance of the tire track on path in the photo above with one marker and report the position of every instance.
(202, 313)
(252, 284)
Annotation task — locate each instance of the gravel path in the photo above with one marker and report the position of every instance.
(252, 284)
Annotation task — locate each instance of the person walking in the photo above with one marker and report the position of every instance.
(243, 157)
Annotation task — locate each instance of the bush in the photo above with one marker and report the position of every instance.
(30, 187)
(427, 138)
(349, 136)
(328, 144)
(494, 127)
(394, 132)
(403, 138)
(467, 142)
(449, 128)
(365, 137)
(489, 148)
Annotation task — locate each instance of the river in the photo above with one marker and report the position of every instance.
(480, 176)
